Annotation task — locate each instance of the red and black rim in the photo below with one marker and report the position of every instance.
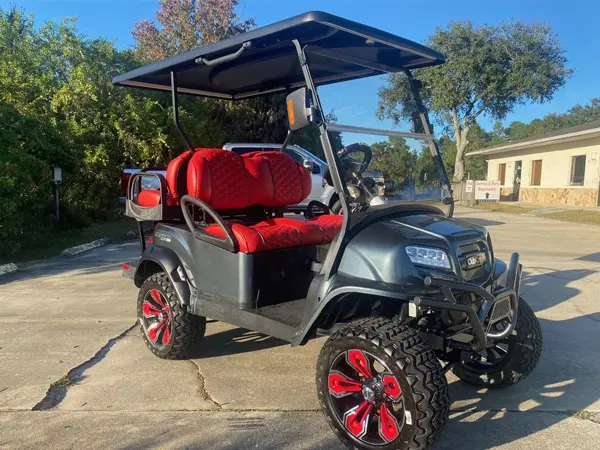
(366, 397)
(157, 318)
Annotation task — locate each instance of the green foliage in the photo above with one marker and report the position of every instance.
(394, 159)
(577, 115)
(489, 71)
(404, 166)
(58, 107)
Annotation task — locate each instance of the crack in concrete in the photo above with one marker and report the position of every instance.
(57, 391)
(202, 386)
(589, 416)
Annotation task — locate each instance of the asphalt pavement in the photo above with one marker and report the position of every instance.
(244, 390)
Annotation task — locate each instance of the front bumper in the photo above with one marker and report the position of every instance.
(493, 308)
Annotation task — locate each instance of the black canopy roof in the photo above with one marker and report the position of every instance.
(337, 49)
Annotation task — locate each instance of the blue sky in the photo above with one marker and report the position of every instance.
(575, 22)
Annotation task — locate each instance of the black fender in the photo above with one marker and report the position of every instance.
(168, 261)
(336, 288)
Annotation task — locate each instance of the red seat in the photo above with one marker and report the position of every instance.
(271, 234)
(176, 177)
(281, 233)
(227, 181)
(151, 197)
(330, 225)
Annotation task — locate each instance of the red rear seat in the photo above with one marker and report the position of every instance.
(227, 181)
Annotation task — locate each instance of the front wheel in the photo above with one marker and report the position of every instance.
(381, 387)
(336, 208)
(169, 330)
(510, 360)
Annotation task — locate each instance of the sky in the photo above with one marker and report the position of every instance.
(355, 103)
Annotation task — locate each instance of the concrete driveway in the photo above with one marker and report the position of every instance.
(246, 390)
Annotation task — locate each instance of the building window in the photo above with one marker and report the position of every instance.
(536, 172)
(577, 170)
(502, 173)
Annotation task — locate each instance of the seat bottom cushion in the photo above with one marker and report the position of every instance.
(330, 225)
(279, 233)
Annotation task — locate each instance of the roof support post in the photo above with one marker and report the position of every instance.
(334, 254)
(415, 86)
(175, 101)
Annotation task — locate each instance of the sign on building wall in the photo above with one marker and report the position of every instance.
(469, 187)
(487, 190)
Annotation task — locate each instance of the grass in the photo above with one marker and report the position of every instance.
(49, 245)
(587, 415)
(63, 381)
(501, 207)
(579, 216)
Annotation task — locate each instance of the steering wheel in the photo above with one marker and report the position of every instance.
(356, 168)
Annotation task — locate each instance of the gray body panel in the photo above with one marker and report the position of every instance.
(375, 262)
(232, 287)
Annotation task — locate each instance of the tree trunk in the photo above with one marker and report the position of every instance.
(460, 133)
(459, 162)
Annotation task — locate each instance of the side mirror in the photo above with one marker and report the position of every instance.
(299, 109)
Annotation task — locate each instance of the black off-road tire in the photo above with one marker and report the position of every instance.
(187, 329)
(525, 346)
(410, 359)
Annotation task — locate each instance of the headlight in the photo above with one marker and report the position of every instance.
(431, 257)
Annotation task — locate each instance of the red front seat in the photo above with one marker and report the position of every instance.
(227, 181)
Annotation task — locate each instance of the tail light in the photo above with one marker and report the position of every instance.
(125, 182)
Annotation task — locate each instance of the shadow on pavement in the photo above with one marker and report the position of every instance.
(234, 341)
(563, 383)
(592, 257)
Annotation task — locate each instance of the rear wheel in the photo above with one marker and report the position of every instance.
(510, 360)
(381, 387)
(168, 328)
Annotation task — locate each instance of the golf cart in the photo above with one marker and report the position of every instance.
(398, 287)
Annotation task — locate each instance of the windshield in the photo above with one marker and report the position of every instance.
(411, 173)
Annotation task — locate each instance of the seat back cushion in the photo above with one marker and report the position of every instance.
(226, 180)
(290, 183)
(219, 178)
(177, 174)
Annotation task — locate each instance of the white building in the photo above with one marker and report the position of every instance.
(560, 167)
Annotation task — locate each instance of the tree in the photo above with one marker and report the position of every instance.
(58, 107)
(489, 71)
(186, 24)
(475, 166)
(394, 159)
(576, 115)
